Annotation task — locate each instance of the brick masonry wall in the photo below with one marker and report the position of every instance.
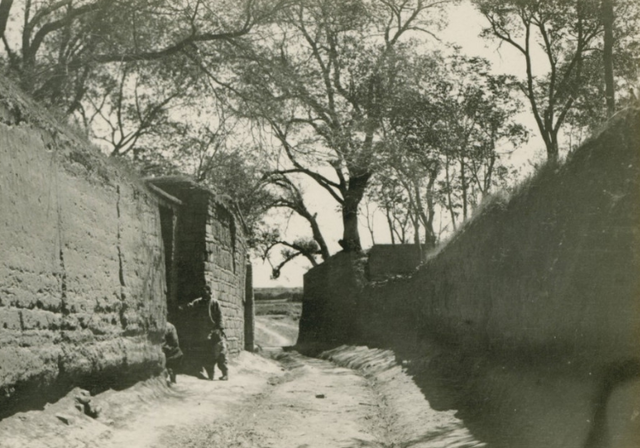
(225, 269)
(210, 248)
(82, 275)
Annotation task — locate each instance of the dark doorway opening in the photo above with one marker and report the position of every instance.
(168, 222)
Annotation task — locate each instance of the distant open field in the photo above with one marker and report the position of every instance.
(281, 307)
(292, 294)
(277, 322)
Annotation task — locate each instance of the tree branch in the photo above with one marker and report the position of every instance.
(5, 9)
(58, 24)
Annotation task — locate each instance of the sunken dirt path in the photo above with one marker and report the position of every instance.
(314, 403)
(290, 402)
(354, 397)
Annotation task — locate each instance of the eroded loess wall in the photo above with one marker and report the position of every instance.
(389, 260)
(528, 321)
(82, 279)
(550, 273)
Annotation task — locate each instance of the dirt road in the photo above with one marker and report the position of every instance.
(314, 403)
(293, 401)
(276, 331)
(353, 397)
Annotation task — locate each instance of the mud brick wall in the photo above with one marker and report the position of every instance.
(333, 310)
(210, 249)
(82, 276)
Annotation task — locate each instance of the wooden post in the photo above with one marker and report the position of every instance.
(249, 311)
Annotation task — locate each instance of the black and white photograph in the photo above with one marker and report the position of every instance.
(320, 224)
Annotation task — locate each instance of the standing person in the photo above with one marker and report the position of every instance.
(172, 352)
(217, 341)
(219, 348)
(217, 337)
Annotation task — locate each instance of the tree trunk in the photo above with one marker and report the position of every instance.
(489, 171)
(370, 225)
(463, 181)
(350, 241)
(390, 223)
(427, 221)
(415, 219)
(449, 200)
(607, 56)
(5, 9)
(552, 147)
(403, 227)
(430, 234)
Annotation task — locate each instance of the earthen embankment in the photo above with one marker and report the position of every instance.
(82, 277)
(537, 296)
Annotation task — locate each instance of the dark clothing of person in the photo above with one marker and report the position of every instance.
(213, 310)
(219, 352)
(172, 352)
(215, 342)
(171, 345)
(215, 314)
(218, 339)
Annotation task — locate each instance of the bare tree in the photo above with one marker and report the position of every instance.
(125, 109)
(63, 42)
(322, 81)
(565, 30)
(290, 197)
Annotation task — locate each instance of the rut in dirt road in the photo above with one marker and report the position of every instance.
(314, 404)
(288, 402)
(319, 404)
